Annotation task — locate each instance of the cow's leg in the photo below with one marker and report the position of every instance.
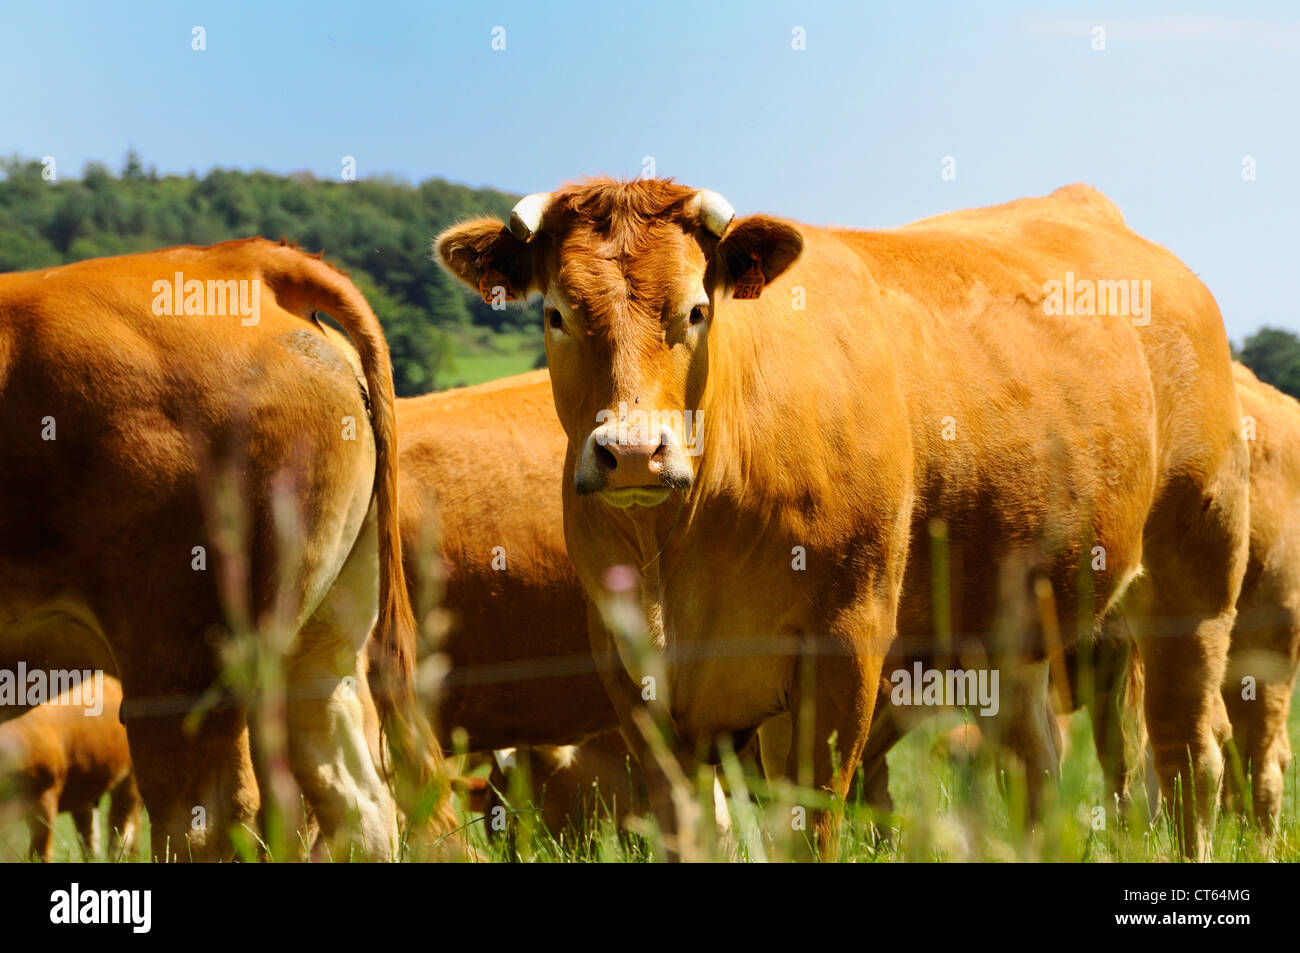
(843, 713)
(1257, 693)
(886, 731)
(1187, 730)
(1268, 752)
(669, 773)
(1024, 726)
(197, 781)
(1114, 700)
(334, 744)
(842, 670)
(647, 731)
(334, 750)
(284, 820)
(86, 819)
(1195, 555)
(777, 734)
(40, 824)
(124, 817)
(774, 738)
(1110, 699)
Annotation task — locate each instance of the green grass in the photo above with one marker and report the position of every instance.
(478, 357)
(946, 810)
(68, 847)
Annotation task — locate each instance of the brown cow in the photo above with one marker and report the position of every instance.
(1266, 639)
(482, 524)
(65, 755)
(183, 454)
(767, 463)
(1265, 647)
(481, 518)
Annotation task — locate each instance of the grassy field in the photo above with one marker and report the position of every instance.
(947, 810)
(479, 357)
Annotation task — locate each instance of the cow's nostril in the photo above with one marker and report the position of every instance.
(659, 458)
(605, 460)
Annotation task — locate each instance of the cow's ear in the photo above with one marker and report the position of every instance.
(483, 254)
(753, 253)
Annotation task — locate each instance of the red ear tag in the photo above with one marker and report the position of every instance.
(492, 280)
(749, 285)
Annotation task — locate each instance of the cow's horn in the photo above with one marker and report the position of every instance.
(526, 216)
(715, 212)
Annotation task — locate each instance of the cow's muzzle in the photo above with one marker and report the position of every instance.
(632, 468)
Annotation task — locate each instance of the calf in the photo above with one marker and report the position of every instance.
(65, 755)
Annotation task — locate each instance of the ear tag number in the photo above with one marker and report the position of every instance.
(750, 284)
(491, 280)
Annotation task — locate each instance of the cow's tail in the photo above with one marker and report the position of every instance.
(1139, 764)
(303, 284)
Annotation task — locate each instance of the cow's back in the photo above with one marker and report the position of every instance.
(1076, 231)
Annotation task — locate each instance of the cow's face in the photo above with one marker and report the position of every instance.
(631, 277)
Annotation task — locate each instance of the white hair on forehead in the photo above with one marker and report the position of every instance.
(714, 212)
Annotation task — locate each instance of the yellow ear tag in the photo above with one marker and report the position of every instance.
(750, 284)
(493, 279)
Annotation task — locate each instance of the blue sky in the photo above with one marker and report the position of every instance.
(851, 130)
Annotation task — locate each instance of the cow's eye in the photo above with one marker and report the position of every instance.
(554, 319)
(697, 315)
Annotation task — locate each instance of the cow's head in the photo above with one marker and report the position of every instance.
(632, 275)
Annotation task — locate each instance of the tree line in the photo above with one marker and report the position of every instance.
(378, 229)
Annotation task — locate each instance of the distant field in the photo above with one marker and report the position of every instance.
(477, 357)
